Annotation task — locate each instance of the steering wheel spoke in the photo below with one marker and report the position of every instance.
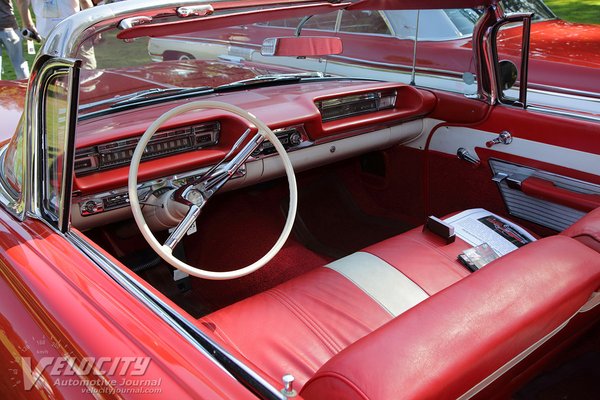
(215, 182)
(218, 175)
(183, 227)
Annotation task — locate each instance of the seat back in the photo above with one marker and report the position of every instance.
(452, 343)
(586, 230)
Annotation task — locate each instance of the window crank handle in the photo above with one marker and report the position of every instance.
(504, 137)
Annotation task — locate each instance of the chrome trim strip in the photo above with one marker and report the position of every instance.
(32, 189)
(562, 91)
(398, 66)
(594, 98)
(66, 189)
(179, 323)
(11, 200)
(570, 114)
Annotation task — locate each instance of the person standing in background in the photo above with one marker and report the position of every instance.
(48, 13)
(12, 40)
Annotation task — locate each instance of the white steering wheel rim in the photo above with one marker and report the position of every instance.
(165, 252)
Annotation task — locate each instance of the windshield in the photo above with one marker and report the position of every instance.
(143, 68)
(123, 68)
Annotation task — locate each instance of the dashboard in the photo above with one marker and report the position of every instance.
(317, 123)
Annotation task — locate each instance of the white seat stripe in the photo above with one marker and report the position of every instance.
(393, 290)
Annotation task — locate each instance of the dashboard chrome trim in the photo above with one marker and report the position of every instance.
(165, 143)
(118, 198)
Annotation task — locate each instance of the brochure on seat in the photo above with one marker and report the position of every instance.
(478, 226)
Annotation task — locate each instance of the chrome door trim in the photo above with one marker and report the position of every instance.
(32, 190)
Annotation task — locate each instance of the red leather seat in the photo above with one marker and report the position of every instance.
(444, 347)
(299, 325)
(401, 302)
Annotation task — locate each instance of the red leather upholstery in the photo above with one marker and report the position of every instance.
(445, 345)
(586, 230)
(297, 326)
(306, 321)
(424, 257)
(323, 321)
(546, 190)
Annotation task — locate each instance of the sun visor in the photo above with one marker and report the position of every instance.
(418, 4)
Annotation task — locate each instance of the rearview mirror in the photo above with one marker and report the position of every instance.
(301, 46)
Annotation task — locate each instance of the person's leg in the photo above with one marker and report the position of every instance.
(12, 43)
(88, 56)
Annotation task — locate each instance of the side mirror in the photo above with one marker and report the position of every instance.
(507, 74)
(301, 46)
(493, 78)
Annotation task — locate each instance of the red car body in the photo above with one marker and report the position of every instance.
(56, 302)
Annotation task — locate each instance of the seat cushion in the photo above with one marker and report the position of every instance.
(424, 257)
(454, 341)
(306, 321)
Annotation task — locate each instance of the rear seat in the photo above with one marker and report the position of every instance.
(402, 302)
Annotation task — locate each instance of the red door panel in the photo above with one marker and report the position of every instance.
(549, 174)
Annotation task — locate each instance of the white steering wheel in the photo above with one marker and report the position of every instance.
(196, 194)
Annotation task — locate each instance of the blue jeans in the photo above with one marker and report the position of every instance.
(12, 43)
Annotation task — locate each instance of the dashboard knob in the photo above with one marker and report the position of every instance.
(89, 206)
(295, 139)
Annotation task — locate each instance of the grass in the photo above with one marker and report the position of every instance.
(584, 11)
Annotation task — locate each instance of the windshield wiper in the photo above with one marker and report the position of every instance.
(261, 80)
(143, 95)
(166, 93)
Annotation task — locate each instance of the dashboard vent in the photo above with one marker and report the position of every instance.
(347, 106)
(118, 153)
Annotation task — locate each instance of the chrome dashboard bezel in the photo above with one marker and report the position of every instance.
(96, 155)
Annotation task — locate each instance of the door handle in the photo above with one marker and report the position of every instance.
(464, 155)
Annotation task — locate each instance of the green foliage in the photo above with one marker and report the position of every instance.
(584, 11)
